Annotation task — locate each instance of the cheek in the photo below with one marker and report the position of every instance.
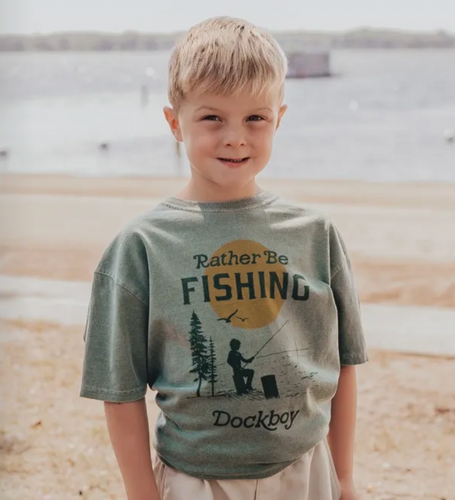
(263, 140)
(200, 142)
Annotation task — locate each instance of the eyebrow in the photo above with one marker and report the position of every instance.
(208, 108)
(218, 110)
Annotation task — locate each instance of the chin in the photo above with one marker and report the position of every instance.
(234, 183)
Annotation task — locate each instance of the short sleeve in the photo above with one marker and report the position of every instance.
(351, 339)
(116, 332)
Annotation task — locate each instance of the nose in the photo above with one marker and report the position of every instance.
(234, 138)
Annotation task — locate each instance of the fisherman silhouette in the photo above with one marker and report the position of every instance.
(235, 359)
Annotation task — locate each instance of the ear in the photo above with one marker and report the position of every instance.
(173, 121)
(281, 112)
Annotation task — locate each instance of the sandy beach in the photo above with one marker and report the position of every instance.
(401, 239)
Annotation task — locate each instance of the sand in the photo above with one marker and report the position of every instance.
(401, 238)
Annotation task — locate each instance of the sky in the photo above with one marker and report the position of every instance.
(46, 16)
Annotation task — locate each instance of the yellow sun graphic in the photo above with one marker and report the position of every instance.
(245, 284)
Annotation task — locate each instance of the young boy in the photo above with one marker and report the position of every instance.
(226, 259)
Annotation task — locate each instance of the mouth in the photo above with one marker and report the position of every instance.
(234, 162)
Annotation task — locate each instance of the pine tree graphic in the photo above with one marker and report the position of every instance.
(198, 352)
(212, 366)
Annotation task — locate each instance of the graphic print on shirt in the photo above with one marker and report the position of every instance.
(240, 373)
(246, 284)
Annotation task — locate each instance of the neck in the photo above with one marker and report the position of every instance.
(210, 192)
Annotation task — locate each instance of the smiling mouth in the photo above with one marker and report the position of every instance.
(234, 160)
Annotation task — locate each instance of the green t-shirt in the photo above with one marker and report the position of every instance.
(239, 315)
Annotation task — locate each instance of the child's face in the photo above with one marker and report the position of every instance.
(217, 130)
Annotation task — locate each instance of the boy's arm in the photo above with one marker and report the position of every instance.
(129, 432)
(342, 430)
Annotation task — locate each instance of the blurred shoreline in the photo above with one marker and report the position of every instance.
(424, 194)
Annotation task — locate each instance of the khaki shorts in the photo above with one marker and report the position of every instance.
(312, 477)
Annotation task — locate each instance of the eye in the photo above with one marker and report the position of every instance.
(255, 118)
(211, 118)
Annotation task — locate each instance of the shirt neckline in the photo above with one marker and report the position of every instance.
(252, 202)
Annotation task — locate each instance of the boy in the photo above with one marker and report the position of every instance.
(235, 359)
(222, 259)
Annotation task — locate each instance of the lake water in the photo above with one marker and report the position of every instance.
(381, 118)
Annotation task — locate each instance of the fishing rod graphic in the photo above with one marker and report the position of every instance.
(283, 352)
(274, 353)
(271, 338)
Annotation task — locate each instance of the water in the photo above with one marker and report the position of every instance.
(382, 118)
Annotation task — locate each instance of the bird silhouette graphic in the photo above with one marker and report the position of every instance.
(241, 319)
(228, 319)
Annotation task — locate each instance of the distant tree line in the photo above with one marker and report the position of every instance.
(82, 41)
(290, 41)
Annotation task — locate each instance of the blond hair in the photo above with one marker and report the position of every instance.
(225, 56)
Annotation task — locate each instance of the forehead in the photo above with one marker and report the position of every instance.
(244, 101)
